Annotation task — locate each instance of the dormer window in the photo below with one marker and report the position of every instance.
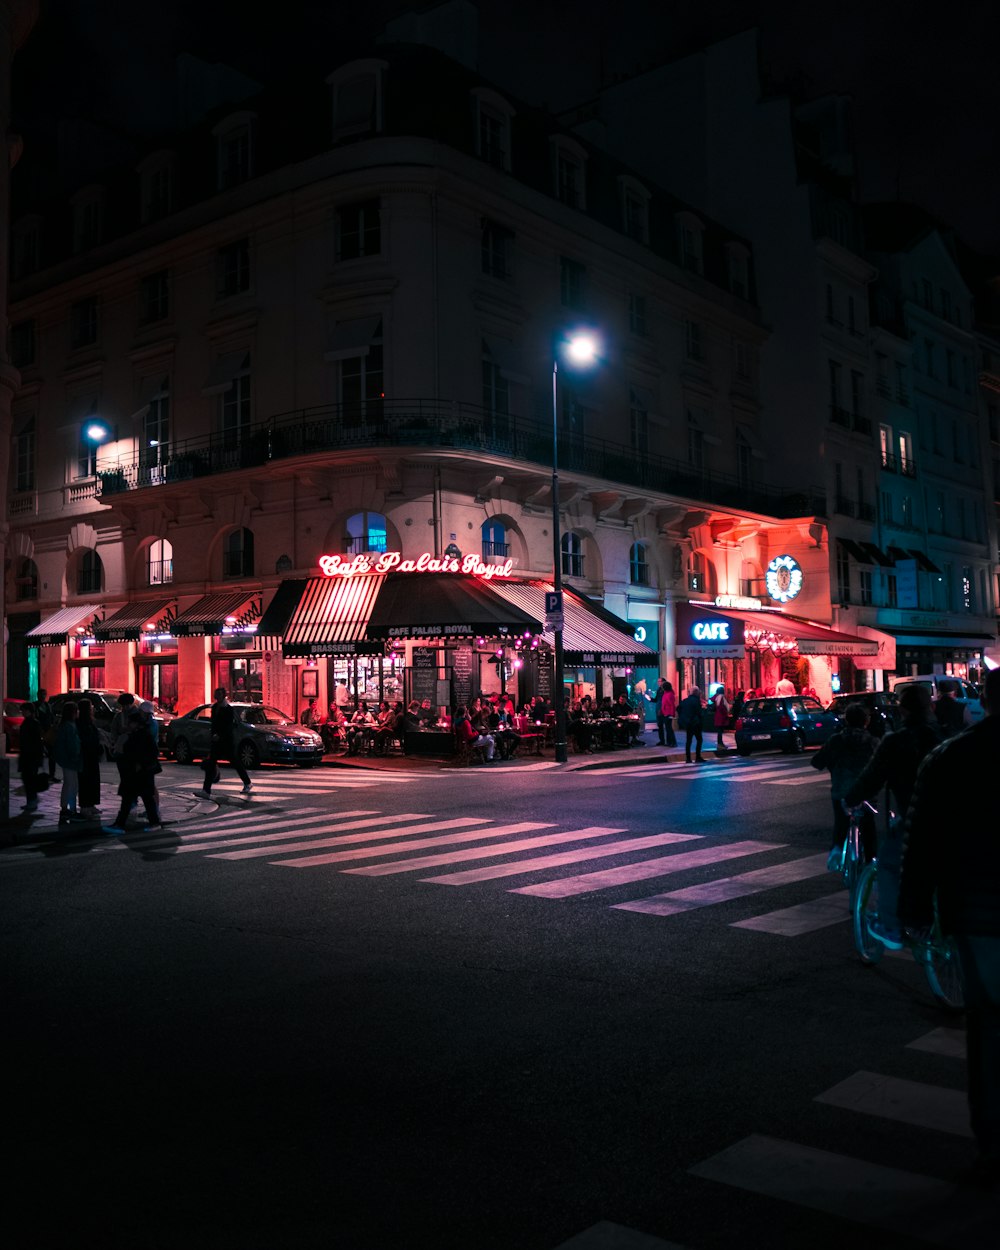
(88, 219)
(569, 165)
(356, 96)
(634, 209)
(689, 242)
(156, 181)
(235, 149)
(493, 118)
(739, 270)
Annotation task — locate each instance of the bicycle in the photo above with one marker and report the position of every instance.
(852, 853)
(935, 953)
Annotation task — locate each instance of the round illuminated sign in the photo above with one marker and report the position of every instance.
(783, 578)
(640, 633)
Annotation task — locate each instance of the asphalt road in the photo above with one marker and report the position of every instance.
(347, 1013)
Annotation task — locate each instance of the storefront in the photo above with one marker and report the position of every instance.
(222, 629)
(79, 661)
(144, 625)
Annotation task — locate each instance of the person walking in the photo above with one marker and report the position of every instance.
(689, 719)
(895, 763)
(90, 761)
(720, 720)
(67, 755)
(31, 757)
(845, 754)
(951, 847)
(139, 765)
(47, 724)
(223, 745)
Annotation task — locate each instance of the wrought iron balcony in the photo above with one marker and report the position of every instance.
(448, 427)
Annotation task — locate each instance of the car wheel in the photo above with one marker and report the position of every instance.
(798, 743)
(743, 749)
(182, 751)
(249, 755)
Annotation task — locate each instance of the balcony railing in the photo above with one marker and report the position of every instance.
(448, 426)
(844, 506)
(866, 511)
(493, 550)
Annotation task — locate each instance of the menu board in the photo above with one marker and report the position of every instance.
(545, 676)
(423, 674)
(279, 684)
(462, 659)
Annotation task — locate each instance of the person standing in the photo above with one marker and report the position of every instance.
(949, 714)
(139, 765)
(784, 687)
(67, 755)
(47, 725)
(223, 744)
(951, 847)
(720, 720)
(665, 714)
(689, 719)
(31, 756)
(90, 761)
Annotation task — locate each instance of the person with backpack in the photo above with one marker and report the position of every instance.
(895, 764)
(845, 754)
(689, 719)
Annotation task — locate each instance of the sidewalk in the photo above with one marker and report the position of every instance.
(619, 757)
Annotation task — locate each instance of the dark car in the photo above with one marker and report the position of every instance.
(263, 735)
(882, 708)
(13, 714)
(105, 704)
(791, 722)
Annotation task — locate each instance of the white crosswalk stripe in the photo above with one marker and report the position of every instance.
(427, 826)
(908, 1102)
(720, 891)
(802, 918)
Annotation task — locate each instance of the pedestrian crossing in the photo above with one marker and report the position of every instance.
(928, 1208)
(735, 771)
(281, 784)
(538, 860)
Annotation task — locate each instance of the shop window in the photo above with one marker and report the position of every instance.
(159, 563)
(572, 555)
(237, 555)
(638, 569)
(90, 574)
(359, 230)
(495, 540)
(25, 579)
(366, 531)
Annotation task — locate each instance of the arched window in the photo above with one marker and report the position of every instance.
(495, 540)
(90, 574)
(572, 555)
(638, 569)
(159, 563)
(237, 557)
(366, 531)
(26, 579)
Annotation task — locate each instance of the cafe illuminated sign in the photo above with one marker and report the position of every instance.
(783, 578)
(710, 631)
(393, 562)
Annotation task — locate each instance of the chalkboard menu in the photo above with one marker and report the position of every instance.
(423, 674)
(545, 676)
(462, 659)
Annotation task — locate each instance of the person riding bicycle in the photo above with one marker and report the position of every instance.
(845, 755)
(894, 764)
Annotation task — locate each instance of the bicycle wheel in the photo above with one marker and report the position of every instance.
(944, 974)
(866, 908)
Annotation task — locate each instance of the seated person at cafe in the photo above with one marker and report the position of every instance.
(334, 729)
(629, 730)
(389, 727)
(357, 729)
(428, 716)
(309, 714)
(507, 739)
(411, 717)
(539, 707)
(579, 730)
(466, 735)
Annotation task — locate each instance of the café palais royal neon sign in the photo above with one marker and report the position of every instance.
(393, 562)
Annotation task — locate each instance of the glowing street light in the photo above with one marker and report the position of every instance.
(97, 432)
(580, 349)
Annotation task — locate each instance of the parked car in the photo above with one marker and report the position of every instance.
(882, 706)
(105, 704)
(791, 722)
(13, 714)
(967, 696)
(263, 736)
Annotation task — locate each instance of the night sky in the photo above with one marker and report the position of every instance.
(926, 89)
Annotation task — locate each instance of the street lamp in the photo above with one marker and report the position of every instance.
(580, 350)
(97, 432)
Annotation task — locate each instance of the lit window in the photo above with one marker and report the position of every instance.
(366, 531)
(159, 563)
(495, 540)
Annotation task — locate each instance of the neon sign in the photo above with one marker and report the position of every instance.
(783, 578)
(393, 562)
(710, 631)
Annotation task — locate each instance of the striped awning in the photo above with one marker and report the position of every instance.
(135, 619)
(235, 609)
(590, 639)
(55, 629)
(329, 617)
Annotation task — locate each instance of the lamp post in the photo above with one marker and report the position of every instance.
(580, 349)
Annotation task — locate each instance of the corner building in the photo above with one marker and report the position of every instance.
(322, 322)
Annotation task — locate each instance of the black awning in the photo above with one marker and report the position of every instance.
(129, 623)
(275, 617)
(855, 550)
(925, 562)
(211, 614)
(877, 555)
(444, 605)
(899, 553)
